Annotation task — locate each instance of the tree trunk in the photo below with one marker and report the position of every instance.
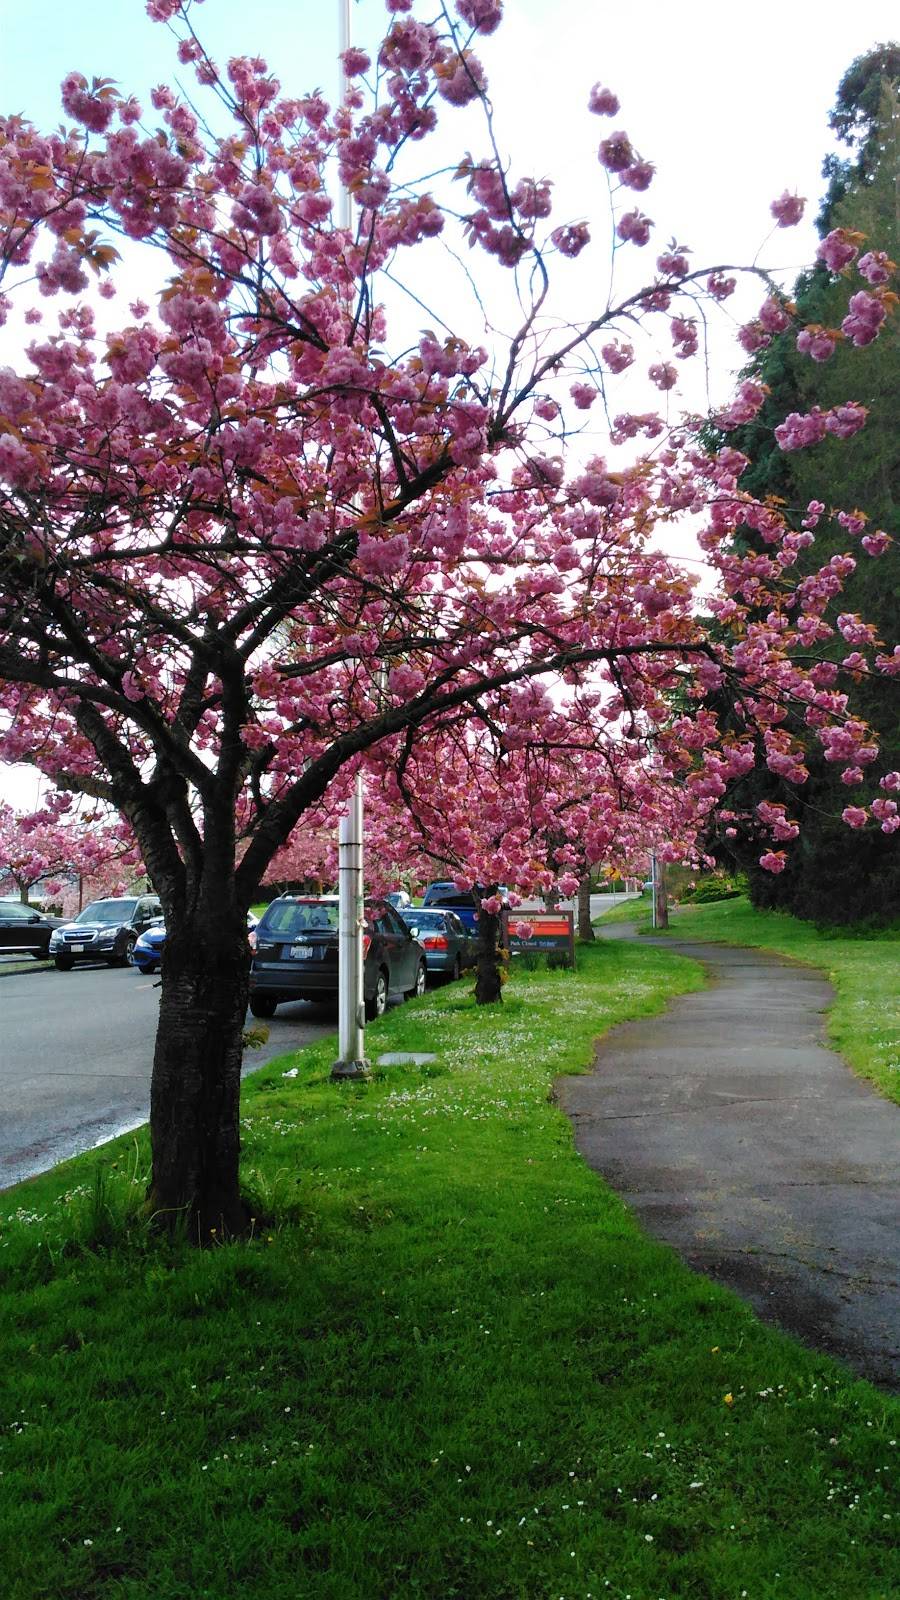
(488, 965)
(195, 1090)
(585, 926)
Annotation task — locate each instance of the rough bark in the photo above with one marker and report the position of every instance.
(585, 927)
(488, 966)
(195, 1090)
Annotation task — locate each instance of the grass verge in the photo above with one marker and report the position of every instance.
(864, 1023)
(453, 1368)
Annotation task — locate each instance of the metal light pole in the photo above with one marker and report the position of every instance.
(351, 1062)
(344, 213)
(654, 880)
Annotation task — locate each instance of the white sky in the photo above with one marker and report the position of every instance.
(729, 102)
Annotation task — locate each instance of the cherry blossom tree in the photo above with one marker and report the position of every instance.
(529, 805)
(250, 541)
(39, 846)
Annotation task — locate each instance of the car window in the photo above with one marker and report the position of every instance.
(287, 917)
(425, 919)
(109, 911)
(14, 913)
(457, 898)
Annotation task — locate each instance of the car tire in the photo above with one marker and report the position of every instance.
(262, 1005)
(419, 985)
(376, 1004)
(123, 957)
(63, 963)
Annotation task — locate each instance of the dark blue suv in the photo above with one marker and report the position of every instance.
(296, 955)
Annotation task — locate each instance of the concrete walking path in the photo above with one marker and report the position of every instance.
(741, 1140)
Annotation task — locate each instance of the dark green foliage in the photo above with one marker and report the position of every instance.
(833, 873)
(711, 889)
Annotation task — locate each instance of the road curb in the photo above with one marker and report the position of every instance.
(27, 972)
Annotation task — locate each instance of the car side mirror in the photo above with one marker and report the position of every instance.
(35, 916)
(413, 933)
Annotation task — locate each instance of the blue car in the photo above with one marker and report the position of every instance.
(147, 953)
(448, 945)
(443, 895)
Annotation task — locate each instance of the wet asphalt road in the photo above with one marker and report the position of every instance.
(76, 1049)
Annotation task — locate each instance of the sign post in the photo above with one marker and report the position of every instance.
(351, 1062)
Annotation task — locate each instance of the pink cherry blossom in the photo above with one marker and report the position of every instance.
(864, 318)
(876, 267)
(616, 153)
(837, 250)
(603, 102)
(773, 861)
(571, 239)
(634, 227)
(663, 374)
(482, 15)
(818, 343)
(788, 209)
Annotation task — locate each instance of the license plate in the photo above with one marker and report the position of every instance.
(75, 947)
(301, 952)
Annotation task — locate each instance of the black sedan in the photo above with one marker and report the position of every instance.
(448, 945)
(25, 931)
(296, 956)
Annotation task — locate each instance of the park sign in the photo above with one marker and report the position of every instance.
(549, 931)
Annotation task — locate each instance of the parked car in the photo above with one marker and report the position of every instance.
(147, 953)
(106, 930)
(444, 895)
(448, 945)
(25, 930)
(296, 956)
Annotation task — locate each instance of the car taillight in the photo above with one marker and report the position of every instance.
(367, 940)
(435, 941)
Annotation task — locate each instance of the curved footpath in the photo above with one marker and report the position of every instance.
(741, 1140)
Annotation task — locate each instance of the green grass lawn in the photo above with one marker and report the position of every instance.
(864, 1023)
(450, 1367)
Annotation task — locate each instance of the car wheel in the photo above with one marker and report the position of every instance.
(377, 1004)
(63, 963)
(262, 1005)
(123, 957)
(419, 985)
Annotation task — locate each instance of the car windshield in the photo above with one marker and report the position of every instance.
(425, 919)
(289, 917)
(107, 911)
(454, 899)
